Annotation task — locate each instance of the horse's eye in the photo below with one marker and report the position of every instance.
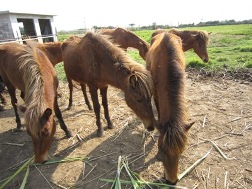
(139, 100)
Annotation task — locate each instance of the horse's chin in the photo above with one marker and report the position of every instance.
(170, 183)
(205, 61)
(42, 158)
(149, 125)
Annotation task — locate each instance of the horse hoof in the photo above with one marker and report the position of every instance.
(69, 108)
(90, 108)
(1, 108)
(100, 133)
(68, 134)
(18, 129)
(111, 126)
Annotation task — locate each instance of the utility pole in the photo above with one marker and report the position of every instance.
(84, 24)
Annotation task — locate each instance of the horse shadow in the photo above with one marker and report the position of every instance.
(103, 161)
(101, 155)
(16, 148)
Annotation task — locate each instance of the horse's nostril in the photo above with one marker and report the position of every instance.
(170, 183)
(44, 161)
(205, 60)
(150, 128)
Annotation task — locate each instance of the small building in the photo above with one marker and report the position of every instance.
(15, 26)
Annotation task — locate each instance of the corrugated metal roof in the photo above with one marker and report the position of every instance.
(15, 12)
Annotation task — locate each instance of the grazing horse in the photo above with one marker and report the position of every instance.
(96, 61)
(125, 38)
(165, 61)
(191, 39)
(28, 69)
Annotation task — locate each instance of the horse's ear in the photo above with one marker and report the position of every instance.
(133, 81)
(47, 113)
(188, 126)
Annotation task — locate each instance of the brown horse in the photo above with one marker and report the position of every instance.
(125, 38)
(94, 60)
(165, 60)
(191, 39)
(54, 53)
(28, 69)
(76, 39)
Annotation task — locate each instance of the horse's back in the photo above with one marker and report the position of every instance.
(164, 47)
(77, 56)
(10, 66)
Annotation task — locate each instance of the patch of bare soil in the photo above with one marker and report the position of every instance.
(220, 106)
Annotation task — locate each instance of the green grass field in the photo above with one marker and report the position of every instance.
(230, 48)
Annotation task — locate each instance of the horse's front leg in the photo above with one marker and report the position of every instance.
(60, 118)
(84, 91)
(96, 105)
(12, 92)
(105, 106)
(3, 99)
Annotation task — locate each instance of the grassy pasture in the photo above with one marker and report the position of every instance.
(230, 47)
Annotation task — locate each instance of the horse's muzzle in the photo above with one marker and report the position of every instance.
(170, 183)
(205, 60)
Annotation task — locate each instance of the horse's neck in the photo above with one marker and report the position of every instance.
(55, 55)
(117, 79)
(114, 76)
(136, 43)
(187, 40)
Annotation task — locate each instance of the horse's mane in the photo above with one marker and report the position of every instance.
(122, 62)
(174, 130)
(32, 78)
(52, 45)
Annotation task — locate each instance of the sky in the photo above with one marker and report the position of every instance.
(76, 14)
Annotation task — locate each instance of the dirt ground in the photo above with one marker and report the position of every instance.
(221, 106)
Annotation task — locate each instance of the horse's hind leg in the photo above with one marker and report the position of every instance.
(70, 86)
(84, 91)
(96, 105)
(12, 92)
(60, 118)
(105, 106)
